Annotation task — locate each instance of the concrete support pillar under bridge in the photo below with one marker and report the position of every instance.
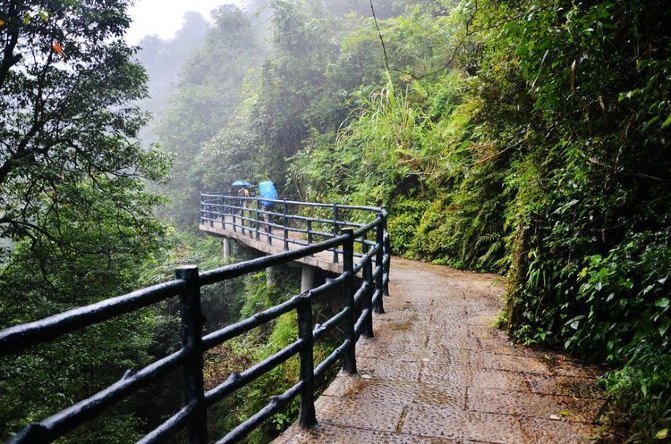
(307, 278)
(226, 247)
(307, 271)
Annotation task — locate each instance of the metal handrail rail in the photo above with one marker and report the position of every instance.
(248, 217)
(359, 302)
(296, 202)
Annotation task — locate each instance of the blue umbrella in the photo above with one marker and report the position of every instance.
(267, 189)
(241, 183)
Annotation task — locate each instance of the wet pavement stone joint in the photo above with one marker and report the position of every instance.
(438, 372)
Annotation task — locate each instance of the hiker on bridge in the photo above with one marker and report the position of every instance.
(243, 193)
(267, 189)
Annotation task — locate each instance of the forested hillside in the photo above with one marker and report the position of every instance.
(72, 202)
(529, 138)
(524, 137)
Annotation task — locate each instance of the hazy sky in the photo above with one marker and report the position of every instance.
(164, 17)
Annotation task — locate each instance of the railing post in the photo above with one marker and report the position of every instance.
(387, 251)
(349, 360)
(258, 236)
(309, 229)
(222, 211)
(307, 416)
(286, 226)
(336, 231)
(368, 296)
(202, 208)
(211, 213)
(379, 263)
(242, 216)
(233, 211)
(249, 216)
(192, 329)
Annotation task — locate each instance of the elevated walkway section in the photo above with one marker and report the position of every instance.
(274, 226)
(269, 240)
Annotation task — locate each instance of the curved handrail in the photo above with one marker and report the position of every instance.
(294, 202)
(248, 216)
(359, 302)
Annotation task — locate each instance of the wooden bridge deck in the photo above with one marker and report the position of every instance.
(437, 372)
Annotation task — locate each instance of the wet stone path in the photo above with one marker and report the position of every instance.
(437, 372)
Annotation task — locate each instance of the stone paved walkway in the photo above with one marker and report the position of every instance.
(437, 372)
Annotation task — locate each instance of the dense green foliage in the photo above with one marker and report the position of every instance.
(544, 152)
(590, 209)
(74, 212)
(41, 278)
(66, 116)
(221, 128)
(527, 137)
(207, 93)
